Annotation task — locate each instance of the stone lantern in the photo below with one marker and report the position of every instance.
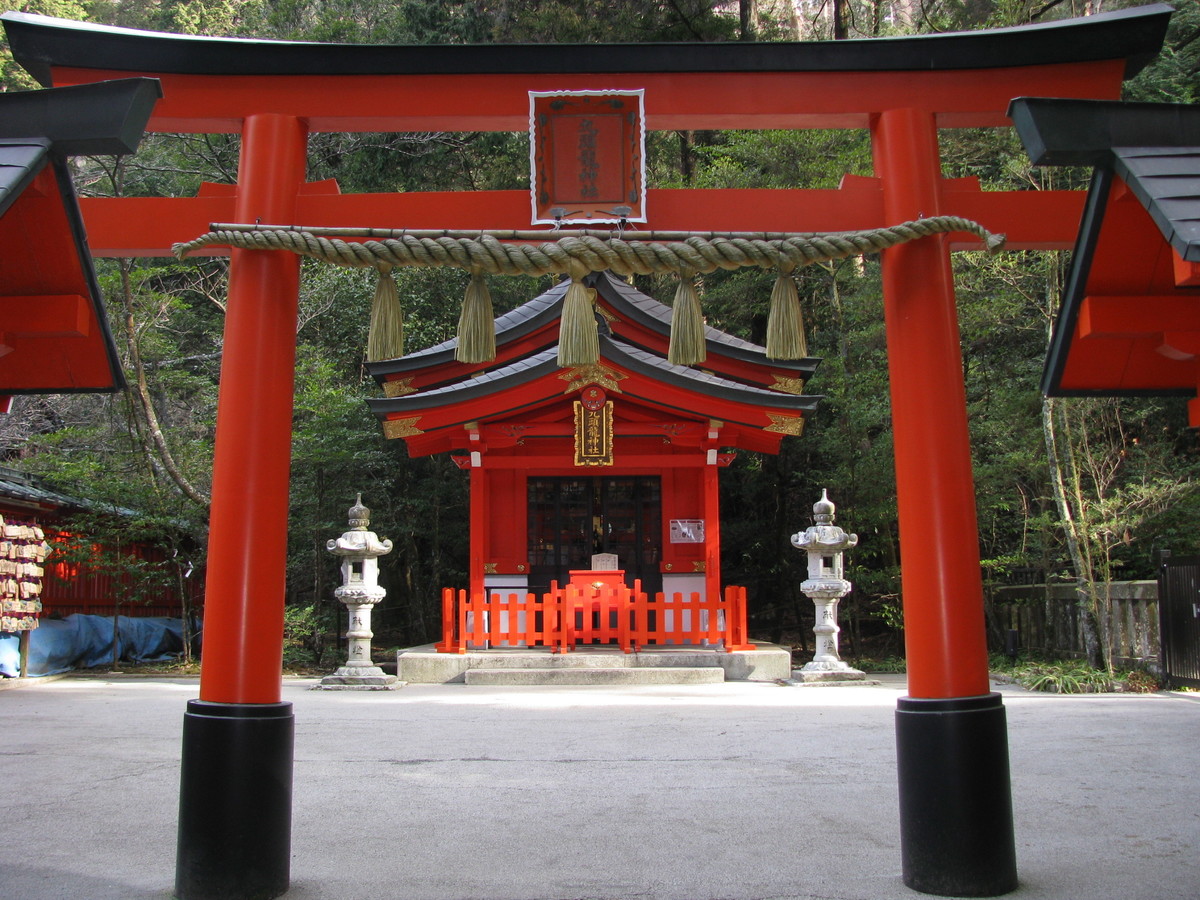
(360, 550)
(824, 543)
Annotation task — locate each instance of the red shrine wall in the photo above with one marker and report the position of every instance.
(507, 518)
(507, 521)
(683, 498)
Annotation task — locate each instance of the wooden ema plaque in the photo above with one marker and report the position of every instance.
(587, 156)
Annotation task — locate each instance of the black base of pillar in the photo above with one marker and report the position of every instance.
(235, 801)
(956, 826)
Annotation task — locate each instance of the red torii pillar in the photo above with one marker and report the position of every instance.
(956, 819)
(235, 801)
(951, 731)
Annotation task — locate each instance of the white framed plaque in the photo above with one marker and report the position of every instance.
(687, 531)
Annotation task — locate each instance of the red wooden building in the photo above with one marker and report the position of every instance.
(617, 458)
(102, 585)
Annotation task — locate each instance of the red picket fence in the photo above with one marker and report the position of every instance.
(572, 615)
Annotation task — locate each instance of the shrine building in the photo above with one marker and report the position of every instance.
(594, 483)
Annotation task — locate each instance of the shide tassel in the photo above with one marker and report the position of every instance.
(578, 337)
(385, 338)
(785, 323)
(687, 325)
(476, 323)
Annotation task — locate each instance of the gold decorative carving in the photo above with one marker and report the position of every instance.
(793, 425)
(401, 428)
(580, 377)
(787, 385)
(490, 568)
(594, 435)
(399, 387)
(699, 565)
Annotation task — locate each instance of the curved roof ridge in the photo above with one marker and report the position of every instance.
(485, 382)
(657, 315)
(705, 382)
(625, 298)
(512, 325)
(615, 351)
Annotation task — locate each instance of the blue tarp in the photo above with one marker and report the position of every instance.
(82, 641)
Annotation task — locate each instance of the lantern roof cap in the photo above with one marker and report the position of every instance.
(824, 509)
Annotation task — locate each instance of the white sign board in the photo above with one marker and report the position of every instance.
(687, 531)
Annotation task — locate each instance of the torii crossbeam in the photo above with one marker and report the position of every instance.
(956, 818)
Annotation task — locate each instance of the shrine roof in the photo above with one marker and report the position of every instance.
(1126, 325)
(20, 160)
(56, 334)
(620, 354)
(1167, 181)
(39, 43)
(623, 298)
(21, 491)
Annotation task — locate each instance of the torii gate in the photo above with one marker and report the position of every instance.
(235, 802)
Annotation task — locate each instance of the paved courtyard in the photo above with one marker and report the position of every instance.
(737, 791)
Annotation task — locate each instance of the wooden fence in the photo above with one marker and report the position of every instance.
(570, 616)
(1047, 620)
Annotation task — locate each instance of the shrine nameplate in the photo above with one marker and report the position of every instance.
(594, 434)
(587, 156)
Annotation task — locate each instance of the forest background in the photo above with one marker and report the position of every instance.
(1084, 491)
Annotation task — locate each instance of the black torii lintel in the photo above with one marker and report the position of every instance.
(39, 43)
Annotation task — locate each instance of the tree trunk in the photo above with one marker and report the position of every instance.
(839, 20)
(747, 19)
(1077, 550)
(142, 392)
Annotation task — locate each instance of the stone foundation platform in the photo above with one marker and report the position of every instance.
(424, 665)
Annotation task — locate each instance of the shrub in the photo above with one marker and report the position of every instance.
(1140, 682)
(1062, 678)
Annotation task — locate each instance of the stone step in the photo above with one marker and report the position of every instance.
(597, 675)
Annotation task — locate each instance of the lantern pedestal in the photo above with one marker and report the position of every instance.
(360, 550)
(824, 543)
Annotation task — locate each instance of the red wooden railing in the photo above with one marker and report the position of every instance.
(572, 615)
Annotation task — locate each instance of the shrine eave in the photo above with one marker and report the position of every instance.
(1129, 323)
(55, 333)
(40, 43)
(623, 299)
(107, 118)
(513, 378)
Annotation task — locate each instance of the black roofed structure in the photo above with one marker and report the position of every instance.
(1129, 324)
(55, 334)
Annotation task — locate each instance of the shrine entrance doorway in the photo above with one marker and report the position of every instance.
(573, 517)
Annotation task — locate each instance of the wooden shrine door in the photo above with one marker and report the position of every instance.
(573, 517)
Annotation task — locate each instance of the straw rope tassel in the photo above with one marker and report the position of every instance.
(476, 323)
(785, 322)
(578, 337)
(385, 338)
(687, 325)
